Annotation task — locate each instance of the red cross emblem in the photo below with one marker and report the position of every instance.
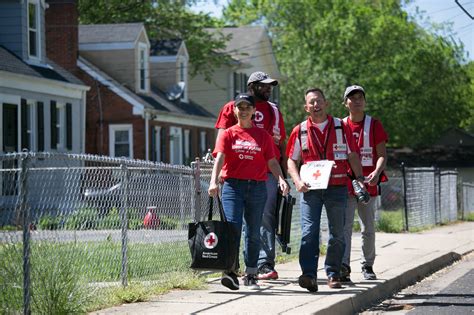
(211, 240)
(316, 174)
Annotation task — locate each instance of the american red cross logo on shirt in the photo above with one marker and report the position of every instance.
(316, 174)
(211, 240)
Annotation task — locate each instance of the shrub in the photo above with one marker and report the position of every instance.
(49, 222)
(469, 217)
(390, 222)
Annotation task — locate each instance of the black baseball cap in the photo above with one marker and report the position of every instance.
(244, 97)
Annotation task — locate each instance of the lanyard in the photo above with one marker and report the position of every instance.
(319, 145)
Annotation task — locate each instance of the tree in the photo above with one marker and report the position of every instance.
(415, 81)
(164, 20)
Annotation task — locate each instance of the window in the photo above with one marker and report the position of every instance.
(203, 143)
(142, 67)
(61, 129)
(121, 141)
(156, 144)
(33, 29)
(275, 97)
(176, 145)
(27, 125)
(240, 83)
(187, 147)
(182, 76)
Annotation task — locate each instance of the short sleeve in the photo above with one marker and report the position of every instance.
(380, 134)
(226, 117)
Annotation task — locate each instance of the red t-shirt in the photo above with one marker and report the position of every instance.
(377, 135)
(247, 151)
(264, 118)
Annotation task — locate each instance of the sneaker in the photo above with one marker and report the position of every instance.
(334, 283)
(308, 282)
(345, 273)
(368, 273)
(250, 281)
(230, 280)
(266, 272)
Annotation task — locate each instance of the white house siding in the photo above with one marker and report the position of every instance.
(212, 96)
(119, 64)
(163, 74)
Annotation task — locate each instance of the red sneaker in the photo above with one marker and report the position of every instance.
(267, 273)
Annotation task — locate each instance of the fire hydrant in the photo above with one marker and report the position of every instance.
(151, 220)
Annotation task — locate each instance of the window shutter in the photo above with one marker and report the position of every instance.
(153, 144)
(53, 125)
(40, 125)
(25, 139)
(164, 142)
(69, 126)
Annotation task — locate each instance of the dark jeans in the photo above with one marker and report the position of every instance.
(243, 200)
(334, 198)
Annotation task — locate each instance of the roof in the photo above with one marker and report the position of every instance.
(456, 137)
(167, 47)
(12, 63)
(109, 33)
(190, 107)
(155, 100)
(244, 40)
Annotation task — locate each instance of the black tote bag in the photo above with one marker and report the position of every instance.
(213, 243)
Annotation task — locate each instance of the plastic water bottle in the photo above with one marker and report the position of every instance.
(361, 194)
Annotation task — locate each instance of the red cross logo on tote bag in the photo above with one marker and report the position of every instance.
(211, 240)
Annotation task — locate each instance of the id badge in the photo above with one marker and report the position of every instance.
(366, 156)
(340, 151)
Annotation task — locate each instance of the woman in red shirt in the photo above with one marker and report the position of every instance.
(243, 153)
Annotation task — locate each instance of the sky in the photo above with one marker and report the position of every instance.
(437, 11)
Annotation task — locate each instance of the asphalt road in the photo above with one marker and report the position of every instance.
(449, 291)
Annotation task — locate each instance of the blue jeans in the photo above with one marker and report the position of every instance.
(269, 222)
(243, 201)
(334, 198)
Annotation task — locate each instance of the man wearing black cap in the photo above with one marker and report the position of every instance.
(268, 117)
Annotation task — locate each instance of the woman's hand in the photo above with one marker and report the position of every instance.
(284, 187)
(213, 189)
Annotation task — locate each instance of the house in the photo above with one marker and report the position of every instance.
(453, 150)
(137, 106)
(251, 50)
(38, 96)
(42, 102)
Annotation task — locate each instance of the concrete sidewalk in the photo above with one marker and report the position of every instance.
(402, 259)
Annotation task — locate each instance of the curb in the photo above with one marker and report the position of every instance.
(358, 302)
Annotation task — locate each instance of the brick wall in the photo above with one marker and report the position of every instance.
(61, 20)
(115, 110)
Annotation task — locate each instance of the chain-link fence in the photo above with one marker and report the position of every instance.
(85, 221)
(430, 196)
(467, 195)
(80, 219)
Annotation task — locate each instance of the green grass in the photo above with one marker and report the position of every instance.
(63, 274)
(390, 222)
(139, 291)
(469, 217)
